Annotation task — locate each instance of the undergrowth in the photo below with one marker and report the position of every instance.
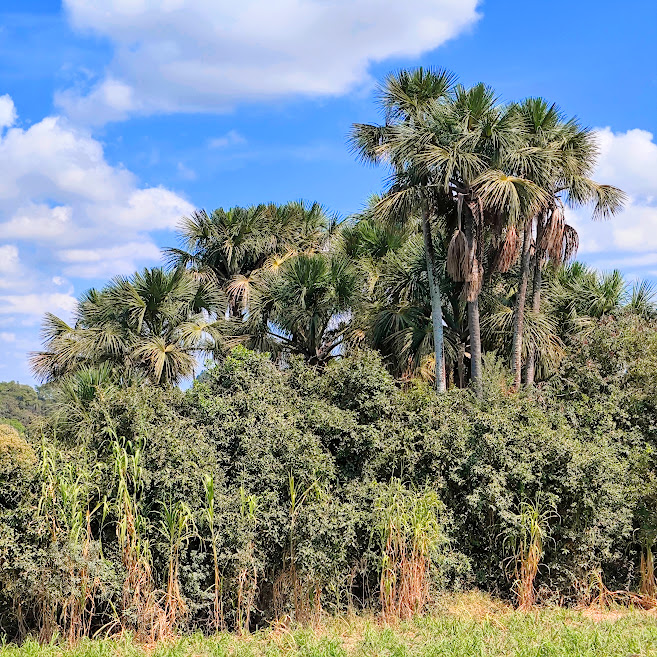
(463, 625)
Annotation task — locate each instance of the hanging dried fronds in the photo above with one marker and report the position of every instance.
(477, 208)
(508, 252)
(570, 243)
(458, 257)
(552, 238)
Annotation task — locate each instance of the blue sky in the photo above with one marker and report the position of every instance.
(119, 116)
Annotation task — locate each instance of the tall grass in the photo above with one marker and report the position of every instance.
(177, 527)
(141, 610)
(526, 542)
(68, 502)
(410, 532)
(247, 576)
(648, 586)
(210, 516)
(301, 595)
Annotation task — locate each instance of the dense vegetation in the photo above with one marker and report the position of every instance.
(263, 492)
(360, 437)
(20, 404)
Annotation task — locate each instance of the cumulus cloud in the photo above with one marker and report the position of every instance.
(66, 216)
(67, 213)
(7, 111)
(37, 304)
(629, 240)
(58, 193)
(203, 55)
(108, 262)
(8, 258)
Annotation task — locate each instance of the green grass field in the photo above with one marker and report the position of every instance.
(461, 627)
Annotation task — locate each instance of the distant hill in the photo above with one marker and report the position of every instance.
(20, 404)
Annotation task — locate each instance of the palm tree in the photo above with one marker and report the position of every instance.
(152, 324)
(301, 308)
(541, 333)
(406, 97)
(581, 294)
(477, 156)
(230, 246)
(461, 146)
(567, 156)
(394, 315)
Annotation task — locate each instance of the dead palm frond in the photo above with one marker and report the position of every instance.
(508, 251)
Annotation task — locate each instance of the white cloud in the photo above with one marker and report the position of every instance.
(204, 55)
(7, 112)
(231, 138)
(69, 214)
(107, 262)
(37, 304)
(630, 160)
(7, 337)
(35, 221)
(628, 240)
(58, 190)
(8, 259)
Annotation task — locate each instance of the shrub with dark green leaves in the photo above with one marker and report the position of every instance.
(256, 493)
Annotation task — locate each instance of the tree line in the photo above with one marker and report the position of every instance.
(462, 254)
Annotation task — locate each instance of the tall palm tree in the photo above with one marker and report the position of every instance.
(462, 146)
(153, 324)
(568, 153)
(475, 149)
(406, 98)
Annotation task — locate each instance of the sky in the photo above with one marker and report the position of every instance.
(118, 117)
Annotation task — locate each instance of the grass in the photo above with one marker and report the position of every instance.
(460, 626)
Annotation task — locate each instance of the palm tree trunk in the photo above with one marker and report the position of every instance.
(475, 347)
(460, 363)
(536, 307)
(436, 301)
(473, 317)
(519, 310)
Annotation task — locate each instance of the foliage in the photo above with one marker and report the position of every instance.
(150, 325)
(15, 452)
(21, 403)
(312, 467)
(262, 492)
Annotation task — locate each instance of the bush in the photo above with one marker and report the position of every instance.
(260, 492)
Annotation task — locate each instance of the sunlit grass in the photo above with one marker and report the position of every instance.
(459, 626)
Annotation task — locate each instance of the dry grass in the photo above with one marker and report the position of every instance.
(458, 625)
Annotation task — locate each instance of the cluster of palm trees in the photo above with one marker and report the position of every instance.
(494, 174)
(466, 251)
(150, 325)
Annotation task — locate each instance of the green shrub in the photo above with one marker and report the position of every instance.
(300, 463)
